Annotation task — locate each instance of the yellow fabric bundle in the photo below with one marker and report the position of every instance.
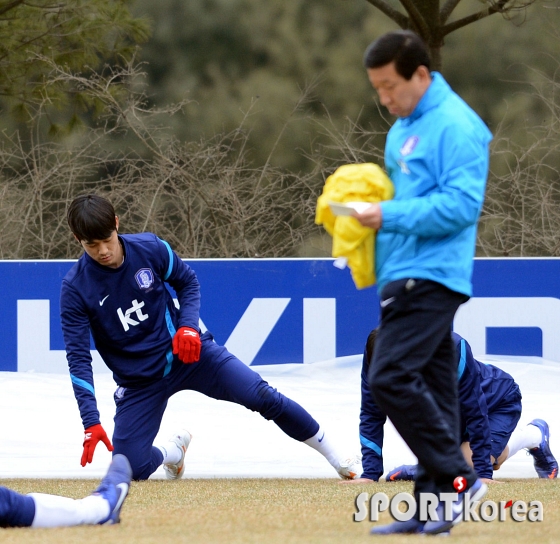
(353, 183)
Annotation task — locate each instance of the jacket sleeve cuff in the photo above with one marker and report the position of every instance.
(484, 471)
(389, 215)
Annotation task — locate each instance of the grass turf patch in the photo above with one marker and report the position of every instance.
(270, 511)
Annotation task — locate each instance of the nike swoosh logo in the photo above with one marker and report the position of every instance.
(123, 488)
(387, 301)
(393, 476)
(102, 301)
(124, 491)
(321, 439)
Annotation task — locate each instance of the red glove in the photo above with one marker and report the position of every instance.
(186, 344)
(92, 435)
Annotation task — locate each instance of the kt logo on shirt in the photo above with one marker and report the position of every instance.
(126, 318)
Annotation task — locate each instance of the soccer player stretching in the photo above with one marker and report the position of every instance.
(117, 291)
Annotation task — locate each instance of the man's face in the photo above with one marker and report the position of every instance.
(396, 93)
(107, 252)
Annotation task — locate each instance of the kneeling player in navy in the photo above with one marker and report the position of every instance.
(40, 510)
(117, 292)
(490, 408)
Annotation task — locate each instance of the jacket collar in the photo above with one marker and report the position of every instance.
(433, 96)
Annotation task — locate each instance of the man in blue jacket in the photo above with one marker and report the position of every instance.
(437, 156)
(490, 407)
(117, 291)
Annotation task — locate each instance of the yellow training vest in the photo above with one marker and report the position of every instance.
(353, 183)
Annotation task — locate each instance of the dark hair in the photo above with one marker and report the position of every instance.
(370, 345)
(91, 217)
(403, 47)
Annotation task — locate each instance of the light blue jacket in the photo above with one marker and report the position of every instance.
(437, 158)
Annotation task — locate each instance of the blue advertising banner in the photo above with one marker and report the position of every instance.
(515, 309)
(264, 311)
(272, 311)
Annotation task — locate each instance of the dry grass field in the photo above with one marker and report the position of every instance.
(270, 511)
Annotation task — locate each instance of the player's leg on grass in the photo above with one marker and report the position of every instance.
(221, 375)
(508, 438)
(16, 510)
(41, 510)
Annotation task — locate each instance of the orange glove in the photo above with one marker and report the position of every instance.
(92, 435)
(186, 345)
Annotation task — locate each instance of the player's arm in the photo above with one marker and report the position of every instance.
(180, 276)
(372, 421)
(474, 411)
(76, 332)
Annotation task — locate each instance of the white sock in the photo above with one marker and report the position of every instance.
(529, 437)
(325, 447)
(171, 453)
(56, 511)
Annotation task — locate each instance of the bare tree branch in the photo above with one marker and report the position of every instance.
(502, 6)
(399, 18)
(447, 10)
(204, 197)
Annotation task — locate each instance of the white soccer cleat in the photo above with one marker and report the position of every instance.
(175, 471)
(350, 468)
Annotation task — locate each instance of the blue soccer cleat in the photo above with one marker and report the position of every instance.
(545, 463)
(114, 487)
(443, 525)
(404, 473)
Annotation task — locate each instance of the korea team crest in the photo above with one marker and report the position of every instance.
(409, 145)
(406, 149)
(144, 278)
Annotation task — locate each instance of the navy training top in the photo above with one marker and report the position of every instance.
(130, 314)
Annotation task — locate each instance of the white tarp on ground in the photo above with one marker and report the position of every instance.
(41, 432)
